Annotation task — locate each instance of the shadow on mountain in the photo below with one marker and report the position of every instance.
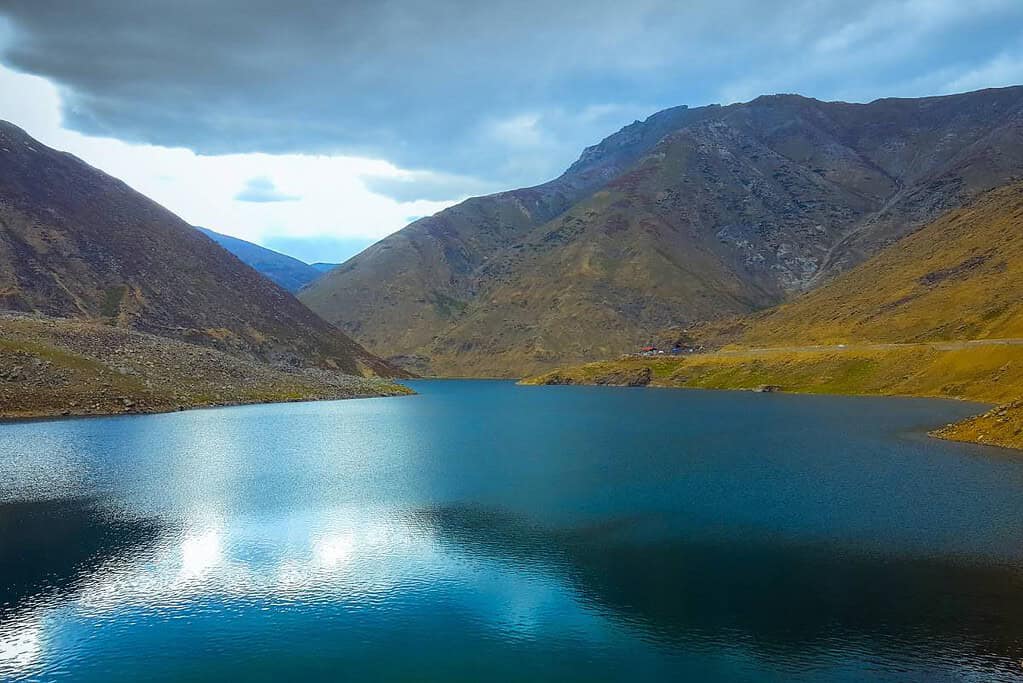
(50, 546)
(791, 605)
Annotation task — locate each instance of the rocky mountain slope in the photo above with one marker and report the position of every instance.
(288, 272)
(401, 292)
(691, 215)
(958, 278)
(77, 243)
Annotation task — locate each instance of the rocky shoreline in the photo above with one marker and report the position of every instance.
(52, 367)
(1000, 426)
(57, 413)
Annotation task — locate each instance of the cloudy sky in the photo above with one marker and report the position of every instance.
(318, 126)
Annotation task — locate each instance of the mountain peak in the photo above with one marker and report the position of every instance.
(629, 139)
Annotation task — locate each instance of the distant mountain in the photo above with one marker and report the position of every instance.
(286, 271)
(324, 267)
(77, 243)
(691, 215)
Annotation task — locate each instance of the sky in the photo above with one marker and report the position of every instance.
(317, 127)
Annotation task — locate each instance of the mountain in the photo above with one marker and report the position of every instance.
(286, 271)
(693, 214)
(77, 243)
(399, 293)
(324, 267)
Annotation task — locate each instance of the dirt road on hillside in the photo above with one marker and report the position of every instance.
(938, 346)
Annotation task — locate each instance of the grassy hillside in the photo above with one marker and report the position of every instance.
(939, 313)
(54, 366)
(990, 373)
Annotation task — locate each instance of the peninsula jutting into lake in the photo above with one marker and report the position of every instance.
(513, 341)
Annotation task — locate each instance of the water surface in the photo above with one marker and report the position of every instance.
(483, 531)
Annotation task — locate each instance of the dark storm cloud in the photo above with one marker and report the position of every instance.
(262, 190)
(507, 92)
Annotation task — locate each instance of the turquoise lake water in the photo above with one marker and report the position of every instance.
(486, 532)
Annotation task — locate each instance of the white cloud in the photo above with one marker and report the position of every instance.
(408, 186)
(263, 190)
(1004, 70)
(901, 48)
(327, 195)
(523, 130)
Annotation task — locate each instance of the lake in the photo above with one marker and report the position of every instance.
(484, 531)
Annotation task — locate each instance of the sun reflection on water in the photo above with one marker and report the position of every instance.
(200, 553)
(20, 646)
